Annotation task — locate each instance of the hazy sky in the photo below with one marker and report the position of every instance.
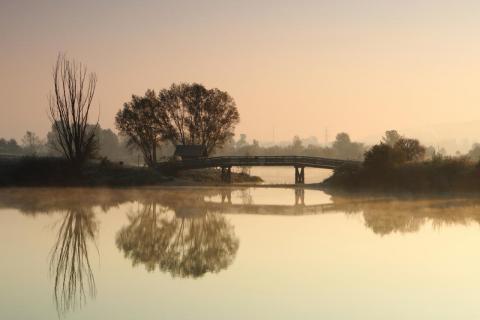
(293, 67)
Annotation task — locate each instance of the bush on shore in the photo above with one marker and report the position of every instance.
(401, 168)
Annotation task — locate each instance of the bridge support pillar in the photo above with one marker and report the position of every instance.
(299, 175)
(227, 196)
(227, 174)
(299, 197)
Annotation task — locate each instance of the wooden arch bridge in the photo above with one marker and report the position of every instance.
(299, 163)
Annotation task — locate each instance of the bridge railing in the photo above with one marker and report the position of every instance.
(227, 161)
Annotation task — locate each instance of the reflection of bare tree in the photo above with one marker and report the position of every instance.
(69, 262)
(186, 246)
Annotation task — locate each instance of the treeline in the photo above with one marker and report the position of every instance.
(109, 146)
(400, 164)
(183, 114)
(116, 148)
(341, 148)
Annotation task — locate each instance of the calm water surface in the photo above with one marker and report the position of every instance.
(286, 175)
(235, 254)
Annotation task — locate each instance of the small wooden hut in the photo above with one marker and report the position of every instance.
(189, 152)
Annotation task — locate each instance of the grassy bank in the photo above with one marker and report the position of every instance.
(38, 172)
(441, 175)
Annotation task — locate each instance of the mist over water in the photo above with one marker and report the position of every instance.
(208, 253)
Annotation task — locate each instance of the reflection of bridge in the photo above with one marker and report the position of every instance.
(226, 206)
(226, 164)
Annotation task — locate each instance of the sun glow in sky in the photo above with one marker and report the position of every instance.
(293, 67)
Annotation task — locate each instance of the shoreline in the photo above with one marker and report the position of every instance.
(184, 184)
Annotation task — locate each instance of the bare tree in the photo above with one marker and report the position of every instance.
(69, 110)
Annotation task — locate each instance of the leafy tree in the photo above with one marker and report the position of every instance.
(31, 143)
(344, 148)
(391, 137)
(409, 150)
(9, 146)
(108, 143)
(474, 152)
(242, 141)
(380, 156)
(139, 121)
(192, 114)
(297, 145)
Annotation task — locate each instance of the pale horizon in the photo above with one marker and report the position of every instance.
(293, 68)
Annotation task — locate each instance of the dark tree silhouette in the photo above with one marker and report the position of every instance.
(474, 153)
(384, 156)
(391, 137)
(344, 148)
(409, 150)
(31, 143)
(9, 146)
(69, 110)
(192, 114)
(379, 157)
(139, 122)
(297, 145)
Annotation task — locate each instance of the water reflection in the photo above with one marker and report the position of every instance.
(382, 215)
(70, 263)
(389, 215)
(188, 243)
(187, 233)
(172, 231)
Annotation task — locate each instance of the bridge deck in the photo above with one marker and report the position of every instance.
(250, 161)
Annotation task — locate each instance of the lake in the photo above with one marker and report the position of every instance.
(286, 175)
(221, 253)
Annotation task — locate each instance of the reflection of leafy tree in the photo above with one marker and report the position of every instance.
(69, 262)
(146, 237)
(383, 221)
(187, 247)
(386, 216)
